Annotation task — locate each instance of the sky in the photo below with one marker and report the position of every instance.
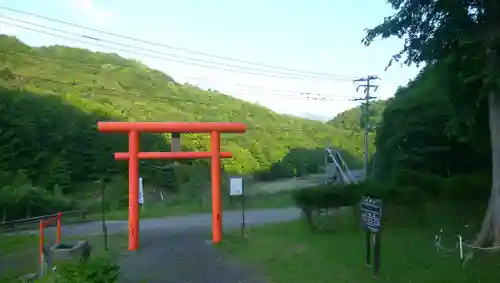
(312, 36)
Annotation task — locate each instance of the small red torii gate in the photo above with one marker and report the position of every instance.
(133, 155)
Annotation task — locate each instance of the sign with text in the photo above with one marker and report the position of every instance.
(236, 186)
(371, 213)
(141, 191)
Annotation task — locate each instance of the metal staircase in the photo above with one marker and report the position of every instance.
(336, 170)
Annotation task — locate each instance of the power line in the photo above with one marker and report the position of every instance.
(145, 49)
(270, 91)
(367, 87)
(115, 93)
(154, 56)
(307, 94)
(138, 94)
(172, 47)
(215, 65)
(248, 94)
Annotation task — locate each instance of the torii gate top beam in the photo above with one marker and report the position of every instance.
(173, 127)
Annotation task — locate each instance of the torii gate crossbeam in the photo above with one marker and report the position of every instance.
(134, 155)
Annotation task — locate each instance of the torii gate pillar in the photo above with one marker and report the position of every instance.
(134, 155)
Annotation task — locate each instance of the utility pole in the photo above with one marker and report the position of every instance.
(367, 85)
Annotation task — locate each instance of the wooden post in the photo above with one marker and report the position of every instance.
(216, 197)
(58, 233)
(133, 186)
(41, 248)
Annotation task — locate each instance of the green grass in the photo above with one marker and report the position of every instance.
(19, 253)
(12, 244)
(291, 252)
(183, 206)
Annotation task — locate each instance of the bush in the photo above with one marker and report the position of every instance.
(94, 270)
(326, 197)
(322, 197)
(464, 188)
(409, 192)
(26, 200)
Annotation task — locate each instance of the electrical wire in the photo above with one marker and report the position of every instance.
(214, 65)
(170, 46)
(300, 95)
(249, 95)
(116, 93)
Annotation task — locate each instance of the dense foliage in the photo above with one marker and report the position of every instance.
(462, 38)
(431, 137)
(52, 97)
(352, 119)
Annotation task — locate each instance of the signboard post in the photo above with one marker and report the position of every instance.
(371, 216)
(141, 193)
(236, 189)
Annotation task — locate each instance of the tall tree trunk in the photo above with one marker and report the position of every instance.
(490, 228)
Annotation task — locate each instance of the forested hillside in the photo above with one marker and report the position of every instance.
(352, 119)
(52, 97)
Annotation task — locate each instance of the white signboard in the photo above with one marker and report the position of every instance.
(236, 186)
(141, 191)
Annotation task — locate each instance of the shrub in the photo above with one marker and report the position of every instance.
(94, 270)
(25, 200)
(471, 187)
(320, 198)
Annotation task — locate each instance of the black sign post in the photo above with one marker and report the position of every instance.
(371, 216)
(368, 241)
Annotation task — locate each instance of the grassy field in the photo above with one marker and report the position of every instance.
(291, 252)
(19, 254)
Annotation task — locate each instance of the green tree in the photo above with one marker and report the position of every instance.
(464, 34)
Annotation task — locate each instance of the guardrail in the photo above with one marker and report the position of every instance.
(37, 219)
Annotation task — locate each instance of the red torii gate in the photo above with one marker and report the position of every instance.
(133, 155)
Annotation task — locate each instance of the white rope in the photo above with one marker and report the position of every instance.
(437, 243)
(481, 248)
(460, 245)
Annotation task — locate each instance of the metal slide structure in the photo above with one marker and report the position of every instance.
(336, 169)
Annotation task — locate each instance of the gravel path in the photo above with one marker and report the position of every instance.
(231, 220)
(181, 258)
(178, 249)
